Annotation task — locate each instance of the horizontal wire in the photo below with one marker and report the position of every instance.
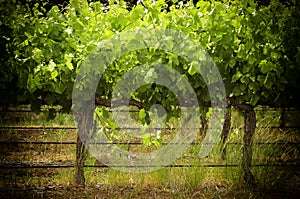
(139, 143)
(144, 166)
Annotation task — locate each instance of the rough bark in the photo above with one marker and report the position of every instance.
(226, 131)
(204, 125)
(85, 124)
(282, 117)
(249, 128)
(81, 154)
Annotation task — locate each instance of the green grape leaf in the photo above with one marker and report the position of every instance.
(269, 80)
(105, 112)
(265, 66)
(232, 62)
(142, 114)
(59, 88)
(193, 69)
(37, 55)
(253, 87)
(150, 75)
(254, 100)
(239, 89)
(236, 76)
(51, 65)
(54, 74)
(146, 139)
(111, 124)
(69, 65)
(245, 79)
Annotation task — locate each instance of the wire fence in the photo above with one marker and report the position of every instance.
(54, 165)
(296, 166)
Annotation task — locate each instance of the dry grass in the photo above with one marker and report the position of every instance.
(195, 182)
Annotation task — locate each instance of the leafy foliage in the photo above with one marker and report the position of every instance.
(255, 47)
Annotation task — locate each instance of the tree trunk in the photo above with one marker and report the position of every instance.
(282, 117)
(249, 128)
(81, 154)
(204, 125)
(226, 131)
(85, 125)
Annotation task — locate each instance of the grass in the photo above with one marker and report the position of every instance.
(193, 182)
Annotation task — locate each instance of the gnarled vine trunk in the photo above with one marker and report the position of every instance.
(81, 154)
(226, 131)
(282, 117)
(204, 125)
(249, 128)
(85, 124)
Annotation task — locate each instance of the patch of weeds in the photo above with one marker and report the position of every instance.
(63, 176)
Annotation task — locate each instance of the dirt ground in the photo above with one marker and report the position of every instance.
(113, 192)
(210, 191)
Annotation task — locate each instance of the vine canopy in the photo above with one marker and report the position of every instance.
(256, 49)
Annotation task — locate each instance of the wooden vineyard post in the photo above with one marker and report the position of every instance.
(249, 130)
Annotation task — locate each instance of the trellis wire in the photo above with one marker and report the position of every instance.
(135, 143)
(40, 128)
(142, 166)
